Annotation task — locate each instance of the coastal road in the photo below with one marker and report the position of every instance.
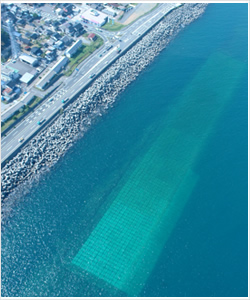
(93, 66)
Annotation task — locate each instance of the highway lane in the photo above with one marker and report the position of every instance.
(73, 85)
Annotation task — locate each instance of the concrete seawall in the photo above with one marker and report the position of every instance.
(46, 148)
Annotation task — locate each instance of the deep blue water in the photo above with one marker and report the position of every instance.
(206, 254)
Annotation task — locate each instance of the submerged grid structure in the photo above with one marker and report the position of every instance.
(125, 244)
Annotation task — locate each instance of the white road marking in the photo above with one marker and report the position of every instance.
(15, 133)
(9, 148)
(33, 126)
(30, 121)
(3, 143)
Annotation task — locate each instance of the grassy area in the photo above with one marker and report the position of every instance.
(113, 27)
(3, 60)
(23, 111)
(82, 54)
(34, 102)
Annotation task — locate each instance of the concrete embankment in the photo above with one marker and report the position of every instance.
(45, 149)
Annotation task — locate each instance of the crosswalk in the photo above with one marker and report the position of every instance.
(41, 110)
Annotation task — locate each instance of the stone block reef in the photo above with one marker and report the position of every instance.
(48, 146)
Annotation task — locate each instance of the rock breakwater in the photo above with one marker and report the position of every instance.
(47, 147)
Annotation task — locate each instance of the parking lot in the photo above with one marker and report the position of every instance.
(22, 67)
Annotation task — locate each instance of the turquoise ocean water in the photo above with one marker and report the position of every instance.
(153, 200)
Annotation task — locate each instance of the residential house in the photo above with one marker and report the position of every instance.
(62, 21)
(56, 36)
(92, 37)
(27, 48)
(79, 30)
(36, 51)
(66, 40)
(17, 34)
(67, 28)
(21, 22)
(49, 32)
(34, 36)
(25, 41)
(50, 54)
(8, 91)
(59, 11)
(28, 34)
(55, 24)
(59, 45)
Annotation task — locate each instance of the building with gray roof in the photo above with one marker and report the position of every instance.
(60, 64)
(73, 49)
(46, 80)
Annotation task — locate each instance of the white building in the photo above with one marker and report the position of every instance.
(27, 78)
(95, 17)
(29, 59)
(72, 50)
(59, 11)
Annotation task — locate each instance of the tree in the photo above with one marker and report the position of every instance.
(35, 16)
(5, 39)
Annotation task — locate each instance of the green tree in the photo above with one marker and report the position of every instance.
(5, 39)
(35, 16)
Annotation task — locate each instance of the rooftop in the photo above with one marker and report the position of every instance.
(28, 58)
(8, 90)
(27, 77)
(91, 35)
(100, 18)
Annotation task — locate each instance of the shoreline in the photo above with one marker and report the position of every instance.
(46, 148)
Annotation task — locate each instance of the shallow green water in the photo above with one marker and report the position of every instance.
(153, 193)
